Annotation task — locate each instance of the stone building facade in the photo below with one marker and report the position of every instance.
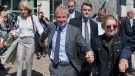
(114, 7)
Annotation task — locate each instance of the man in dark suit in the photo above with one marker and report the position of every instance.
(63, 41)
(125, 32)
(72, 12)
(79, 22)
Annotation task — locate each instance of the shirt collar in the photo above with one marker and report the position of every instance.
(83, 20)
(63, 28)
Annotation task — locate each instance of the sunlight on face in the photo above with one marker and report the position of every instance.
(61, 17)
(24, 11)
(110, 27)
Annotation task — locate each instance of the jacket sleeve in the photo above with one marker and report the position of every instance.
(129, 47)
(81, 42)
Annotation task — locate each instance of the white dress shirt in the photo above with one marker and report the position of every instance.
(25, 27)
(101, 31)
(71, 15)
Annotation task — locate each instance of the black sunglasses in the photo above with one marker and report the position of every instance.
(109, 26)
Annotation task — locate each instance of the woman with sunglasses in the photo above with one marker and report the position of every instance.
(108, 48)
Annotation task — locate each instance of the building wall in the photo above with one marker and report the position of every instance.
(110, 5)
(44, 6)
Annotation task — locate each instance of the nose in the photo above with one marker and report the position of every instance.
(61, 19)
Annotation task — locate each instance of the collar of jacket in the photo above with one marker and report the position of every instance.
(115, 41)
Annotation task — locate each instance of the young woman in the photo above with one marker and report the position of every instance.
(108, 48)
(26, 45)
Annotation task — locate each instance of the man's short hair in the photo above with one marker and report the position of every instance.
(130, 11)
(87, 4)
(61, 8)
(40, 12)
(102, 9)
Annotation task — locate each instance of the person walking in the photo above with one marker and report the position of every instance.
(26, 45)
(63, 42)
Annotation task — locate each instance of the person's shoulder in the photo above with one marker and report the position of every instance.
(77, 11)
(93, 22)
(19, 17)
(73, 27)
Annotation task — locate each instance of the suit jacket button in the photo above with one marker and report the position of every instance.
(118, 50)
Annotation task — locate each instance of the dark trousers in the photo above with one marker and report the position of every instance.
(57, 70)
(86, 69)
(130, 69)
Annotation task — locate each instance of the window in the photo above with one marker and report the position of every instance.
(53, 6)
(123, 2)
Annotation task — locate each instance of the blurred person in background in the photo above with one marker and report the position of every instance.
(98, 20)
(1, 21)
(44, 22)
(71, 10)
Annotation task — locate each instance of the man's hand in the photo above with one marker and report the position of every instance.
(89, 57)
(123, 65)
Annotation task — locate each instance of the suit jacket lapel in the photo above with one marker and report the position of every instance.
(67, 36)
(50, 37)
(75, 14)
(91, 29)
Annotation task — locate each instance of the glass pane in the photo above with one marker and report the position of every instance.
(16, 4)
(53, 7)
(6, 2)
(122, 2)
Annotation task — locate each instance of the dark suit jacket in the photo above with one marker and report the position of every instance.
(74, 39)
(77, 22)
(125, 29)
(77, 13)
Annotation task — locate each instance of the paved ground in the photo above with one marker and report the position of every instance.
(40, 67)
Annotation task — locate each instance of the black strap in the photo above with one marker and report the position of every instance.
(33, 25)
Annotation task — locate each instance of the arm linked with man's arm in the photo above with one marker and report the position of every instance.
(129, 47)
(85, 47)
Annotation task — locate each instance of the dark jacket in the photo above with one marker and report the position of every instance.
(102, 54)
(77, 22)
(125, 29)
(77, 14)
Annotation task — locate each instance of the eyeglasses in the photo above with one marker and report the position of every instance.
(109, 26)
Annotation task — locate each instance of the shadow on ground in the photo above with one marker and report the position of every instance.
(5, 73)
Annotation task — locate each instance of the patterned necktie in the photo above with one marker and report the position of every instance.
(86, 32)
(57, 47)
